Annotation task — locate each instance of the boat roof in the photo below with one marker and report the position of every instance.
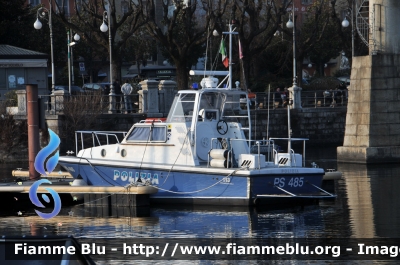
(217, 90)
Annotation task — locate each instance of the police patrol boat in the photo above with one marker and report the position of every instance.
(202, 153)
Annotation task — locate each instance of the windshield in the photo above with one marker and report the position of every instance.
(212, 100)
(182, 108)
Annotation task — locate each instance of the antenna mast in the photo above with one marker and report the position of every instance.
(230, 33)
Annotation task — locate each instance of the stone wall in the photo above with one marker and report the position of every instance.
(320, 125)
(106, 122)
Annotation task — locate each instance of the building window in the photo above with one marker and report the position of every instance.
(124, 7)
(34, 2)
(15, 78)
(3, 81)
(306, 2)
(62, 4)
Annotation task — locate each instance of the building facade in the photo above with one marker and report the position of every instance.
(19, 67)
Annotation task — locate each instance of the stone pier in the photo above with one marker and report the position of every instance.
(373, 112)
(373, 115)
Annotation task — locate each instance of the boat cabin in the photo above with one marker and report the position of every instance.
(209, 115)
(211, 124)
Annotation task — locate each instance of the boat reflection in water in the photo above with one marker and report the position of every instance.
(201, 222)
(78, 221)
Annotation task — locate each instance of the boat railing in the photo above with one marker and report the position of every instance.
(97, 138)
(257, 147)
(292, 156)
(275, 152)
(290, 150)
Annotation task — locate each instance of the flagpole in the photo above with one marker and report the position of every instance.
(230, 32)
(242, 66)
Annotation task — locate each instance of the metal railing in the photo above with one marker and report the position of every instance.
(56, 104)
(309, 99)
(97, 138)
(258, 147)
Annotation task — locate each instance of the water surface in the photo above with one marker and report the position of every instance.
(367, 206)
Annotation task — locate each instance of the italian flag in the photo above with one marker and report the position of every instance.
(222, 51)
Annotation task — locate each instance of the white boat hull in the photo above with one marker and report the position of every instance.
(202, 185)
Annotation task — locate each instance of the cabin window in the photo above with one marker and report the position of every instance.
(182, 108)
(212, 100)
(148, 133)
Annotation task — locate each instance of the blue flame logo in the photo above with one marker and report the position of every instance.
(50, 165)
(45, 152)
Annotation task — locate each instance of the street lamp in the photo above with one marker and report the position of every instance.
(70, 45)
(296, 91)
(104, 28)
(76, 38)
(346, 23)
(38, 25)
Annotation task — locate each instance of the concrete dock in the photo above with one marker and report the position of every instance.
(62, 182)
(25, 173)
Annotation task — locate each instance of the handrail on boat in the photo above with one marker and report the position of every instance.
(258, 143)
(292, 155)
(295, 139)
(95, 137)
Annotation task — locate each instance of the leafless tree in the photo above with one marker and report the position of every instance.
(257, 22)
(13, 133)
(82, 113)
(182, 28)
(89, 17)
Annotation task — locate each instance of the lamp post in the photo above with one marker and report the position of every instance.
(70, 45)
(69, 62)
(38, 25)
(346, 23)
(104, 28)
(76, 38)
(295, 90)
